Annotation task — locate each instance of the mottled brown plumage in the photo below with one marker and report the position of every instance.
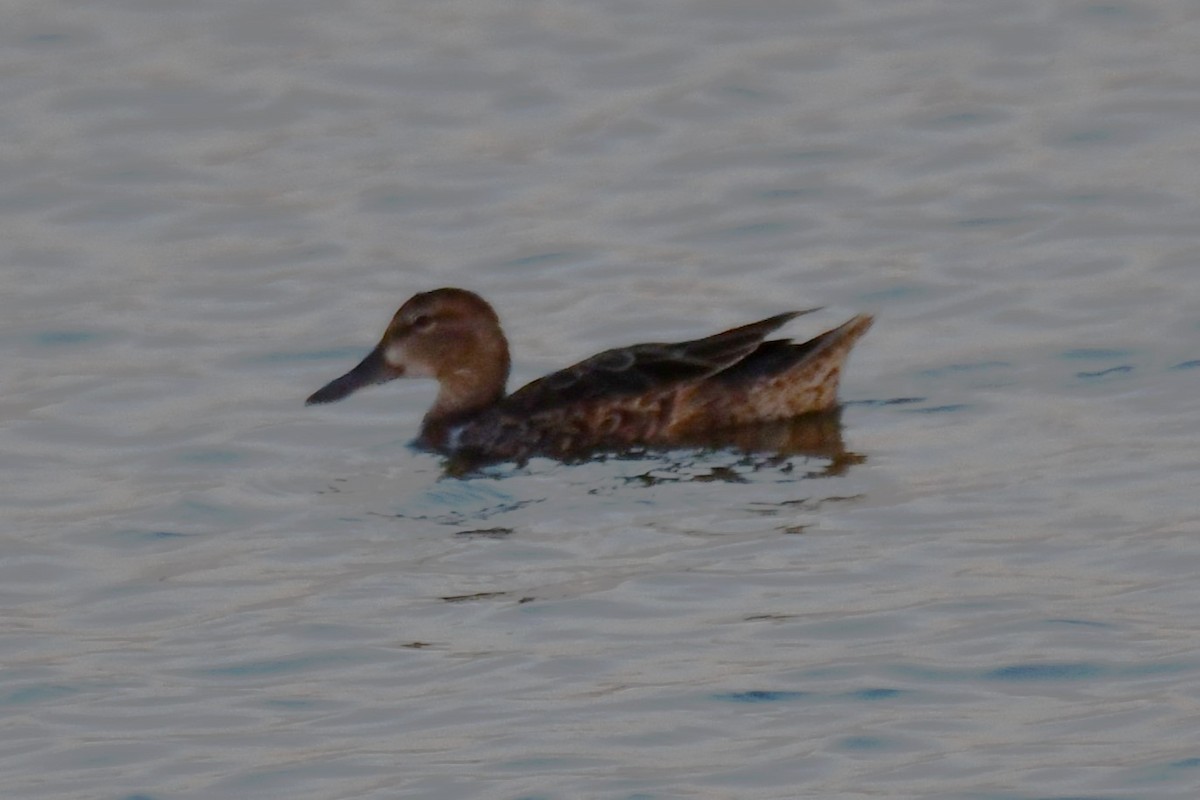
(646, 394)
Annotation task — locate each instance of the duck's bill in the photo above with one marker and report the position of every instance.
(371, 370)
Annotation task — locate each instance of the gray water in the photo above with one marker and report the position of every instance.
(209, 209)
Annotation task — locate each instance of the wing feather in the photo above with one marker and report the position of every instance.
(644, 368)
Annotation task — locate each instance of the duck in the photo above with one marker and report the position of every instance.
(642, 395)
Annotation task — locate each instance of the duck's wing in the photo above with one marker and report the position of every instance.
(644, 368)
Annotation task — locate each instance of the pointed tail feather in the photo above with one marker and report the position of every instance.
(779, 380)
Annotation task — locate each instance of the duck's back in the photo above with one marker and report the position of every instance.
(664, 394)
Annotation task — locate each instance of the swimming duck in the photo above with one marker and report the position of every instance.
(645, 394)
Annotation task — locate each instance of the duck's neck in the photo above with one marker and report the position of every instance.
(463, 394)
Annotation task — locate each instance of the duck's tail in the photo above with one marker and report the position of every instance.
(779, 380)
(811, 383)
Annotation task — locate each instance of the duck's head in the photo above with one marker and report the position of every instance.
(451, 335)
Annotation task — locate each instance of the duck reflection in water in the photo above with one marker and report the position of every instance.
(732, 389)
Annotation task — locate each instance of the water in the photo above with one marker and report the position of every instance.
(210, 591)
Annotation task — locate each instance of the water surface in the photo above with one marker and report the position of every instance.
(210, 591)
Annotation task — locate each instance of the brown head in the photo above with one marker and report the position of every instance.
(451, 335)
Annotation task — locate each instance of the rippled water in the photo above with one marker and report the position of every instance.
(209, 591)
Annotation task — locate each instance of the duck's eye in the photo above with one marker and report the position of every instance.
(422, 322)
